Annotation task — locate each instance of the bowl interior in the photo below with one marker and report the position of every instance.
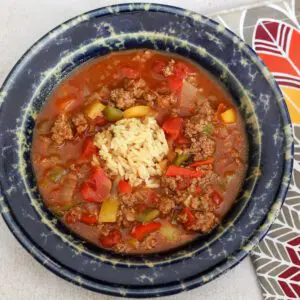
(213, 66)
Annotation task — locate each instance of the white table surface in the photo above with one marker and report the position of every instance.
(21, 277)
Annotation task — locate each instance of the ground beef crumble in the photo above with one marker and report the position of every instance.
(80, 123)
(130, 95)
(122, 98)
(169, 69)
(204, 222)
(195, 126)
(150, 242)
(61, 130)
(166, 205)
(105, 228)
(192, 79)
(137, 87)
(126, 216)
(166, 101)
(130, 200)
(202, 148)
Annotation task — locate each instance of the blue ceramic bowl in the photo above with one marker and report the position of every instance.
(153, 26)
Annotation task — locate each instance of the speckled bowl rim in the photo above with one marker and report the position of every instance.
(231, 261)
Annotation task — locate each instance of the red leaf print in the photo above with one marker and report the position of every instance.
(295, 242)
(287, 290)
(296, 278)
(277, 43)
(296, 288)
(293, 255)
(289, 272)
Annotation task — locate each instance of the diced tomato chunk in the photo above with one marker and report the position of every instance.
(175, 83)
(88, 192)
(100, 121)
(88, 148)
(180, 69)
(124, 187)
(102, 183)
(97, 187)
(190, 216)
(112, 239)
(173, 127)
(216, 197)
(141, 207)
(158, 66)
(70, 218)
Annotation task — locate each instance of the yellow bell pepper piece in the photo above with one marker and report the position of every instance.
(109, 210)
(133, 243)
(136, 111)
(229, 116)
(94, 109)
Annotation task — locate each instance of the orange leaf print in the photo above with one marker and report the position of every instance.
(277, 44)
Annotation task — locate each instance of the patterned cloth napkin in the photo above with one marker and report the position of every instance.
(273, 30)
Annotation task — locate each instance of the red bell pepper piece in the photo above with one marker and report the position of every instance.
(88, 219)
(190, 217)
(88, 148)
(124, 187)
(112, 239)
(184, 172)
(141, 231)
(217, 198)
(208, 161)
(129, 72)
(173, 127)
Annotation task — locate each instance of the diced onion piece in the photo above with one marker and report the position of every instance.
(56, 173)
(188, 96)
(169, 232)
(67, 191)
(229, 116)
(109, 211)
(137, 111)
(94, 109)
